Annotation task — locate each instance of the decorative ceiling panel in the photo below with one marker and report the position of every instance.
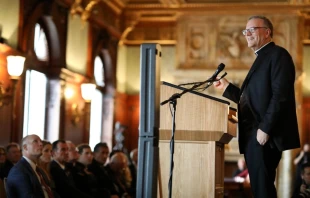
(236, 1)
(143, 2)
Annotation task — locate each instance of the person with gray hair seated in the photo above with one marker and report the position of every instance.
(116, 169)
(13, 155)
(26, 179)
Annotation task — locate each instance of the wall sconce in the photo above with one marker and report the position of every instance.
(87, 90)
(15, 65)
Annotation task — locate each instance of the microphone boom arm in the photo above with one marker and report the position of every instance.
(178, 95)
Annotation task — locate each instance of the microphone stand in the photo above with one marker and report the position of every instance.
(178, 95)
(173, 100)
(192, 83)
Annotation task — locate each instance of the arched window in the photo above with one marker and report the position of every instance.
(99, 71)
(96, 117)
(35, 89)
(35, 96)
(40, 43)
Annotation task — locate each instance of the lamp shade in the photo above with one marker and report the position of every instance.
(88, 90)
(15, 65)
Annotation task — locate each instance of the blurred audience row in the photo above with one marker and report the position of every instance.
(38, 168)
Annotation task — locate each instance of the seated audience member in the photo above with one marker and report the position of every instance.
(304, 189)
(101, 153)
(133, 170)
(13, 155)
(84, 179)
(73, 155)
(2, 161)
(26, 179)
(116, 169)
(126, 177)
(2, 155)
(242, 170)
(62, 177)
(46, 157)
(302, 157)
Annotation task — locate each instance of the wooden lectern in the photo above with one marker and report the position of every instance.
(203, 125)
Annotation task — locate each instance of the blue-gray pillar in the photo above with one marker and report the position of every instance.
(148, 152)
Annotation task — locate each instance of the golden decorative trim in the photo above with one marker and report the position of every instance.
(77, 8)
(306, 42)
(116, 6)
(88, 10)
(139, 42)
(219, 6)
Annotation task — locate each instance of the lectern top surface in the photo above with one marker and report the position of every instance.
(195, 92)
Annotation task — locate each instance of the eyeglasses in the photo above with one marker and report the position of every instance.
(252, 30)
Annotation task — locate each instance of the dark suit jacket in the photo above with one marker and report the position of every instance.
(102, 176)
(64, 184)
(22, 181)
(133, 172)
(5, 169)
(269, 90)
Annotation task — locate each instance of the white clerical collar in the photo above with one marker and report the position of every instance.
(256, 52)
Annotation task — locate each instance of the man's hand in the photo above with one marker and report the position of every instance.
(303, 188)
(262, 137)
(221, 84)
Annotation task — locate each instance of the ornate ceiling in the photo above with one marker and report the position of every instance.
(134, 20)
(129, 3)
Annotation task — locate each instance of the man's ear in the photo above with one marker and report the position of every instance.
(268, 32)
(25, 147)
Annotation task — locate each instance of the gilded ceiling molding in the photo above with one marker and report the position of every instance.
(89, 9)
(150, 27)
(220, 6)
(116, 5)
(98, 12)
(129, 28)
(77, 8)
(123, 39)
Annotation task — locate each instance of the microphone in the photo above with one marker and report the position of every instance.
(213, 77)
(219, 69)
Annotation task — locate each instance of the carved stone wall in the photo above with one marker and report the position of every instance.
(205, 41)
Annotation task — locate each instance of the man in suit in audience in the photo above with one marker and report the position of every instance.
(133, 170)
(64, 184)
(13, 155)
(73, 154)
(101, 153)
(116, 169)
(25, 178)
(304, 187)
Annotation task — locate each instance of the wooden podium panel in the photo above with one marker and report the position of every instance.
(203, 125)
(194, 165)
